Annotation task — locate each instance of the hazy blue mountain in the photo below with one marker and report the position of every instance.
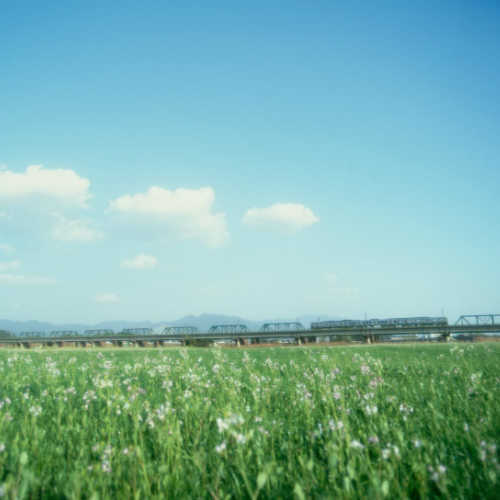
(202, 321)
(35, 326)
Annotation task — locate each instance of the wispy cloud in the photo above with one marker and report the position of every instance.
(141, 261)
(9, 265)
(78, 230)
(7, 249)
(333, 289)
(288, 217)
(107, 298)
(22, 279)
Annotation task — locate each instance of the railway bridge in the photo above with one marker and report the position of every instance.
(469, 326)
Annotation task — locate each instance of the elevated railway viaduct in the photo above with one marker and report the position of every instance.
(241, 336)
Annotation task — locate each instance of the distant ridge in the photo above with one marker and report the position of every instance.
(202, 321)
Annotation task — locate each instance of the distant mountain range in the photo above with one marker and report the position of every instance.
(203, 322)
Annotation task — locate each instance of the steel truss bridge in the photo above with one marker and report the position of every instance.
(239, 334)
(478, 319)
(180, 330)
(228, 329)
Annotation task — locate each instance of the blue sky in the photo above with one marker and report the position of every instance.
(262, 160)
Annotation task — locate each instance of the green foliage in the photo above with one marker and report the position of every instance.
(314, 422)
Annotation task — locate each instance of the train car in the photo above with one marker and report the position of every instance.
(340, 324)
(381, 323)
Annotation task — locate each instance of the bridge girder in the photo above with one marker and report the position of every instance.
(104, 331)
(137, 331)
(63, 333)
(180, 330)
(237, 328)
(478, 319)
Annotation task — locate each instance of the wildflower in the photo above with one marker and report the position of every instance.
(222, 425)
(2, 447)
(436, 473)
(35, 410)
(221, 447)
(240, 438)
(386, 453)
(371, 410)
(335, 425)
(106, 466)
(417, 443)
(373, 439)
(356, 444)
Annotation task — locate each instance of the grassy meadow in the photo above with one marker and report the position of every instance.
(383, 421)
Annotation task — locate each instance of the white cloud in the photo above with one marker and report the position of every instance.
(141, 261)
(334, 290)
(21, 279)
(290, 217)
(107, 298)
(8, 249)
(9, 265)
(64, 185)
(73, 230)
(331, 279)
(187, 212)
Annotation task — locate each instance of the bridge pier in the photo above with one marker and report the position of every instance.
(26, 345)
(59, 343)
(97, 343)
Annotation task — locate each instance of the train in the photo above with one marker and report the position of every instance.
(417, 321)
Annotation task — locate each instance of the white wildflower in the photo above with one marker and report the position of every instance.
(221, 447)
(356, 444)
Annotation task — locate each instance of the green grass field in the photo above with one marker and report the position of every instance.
(314, 422)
